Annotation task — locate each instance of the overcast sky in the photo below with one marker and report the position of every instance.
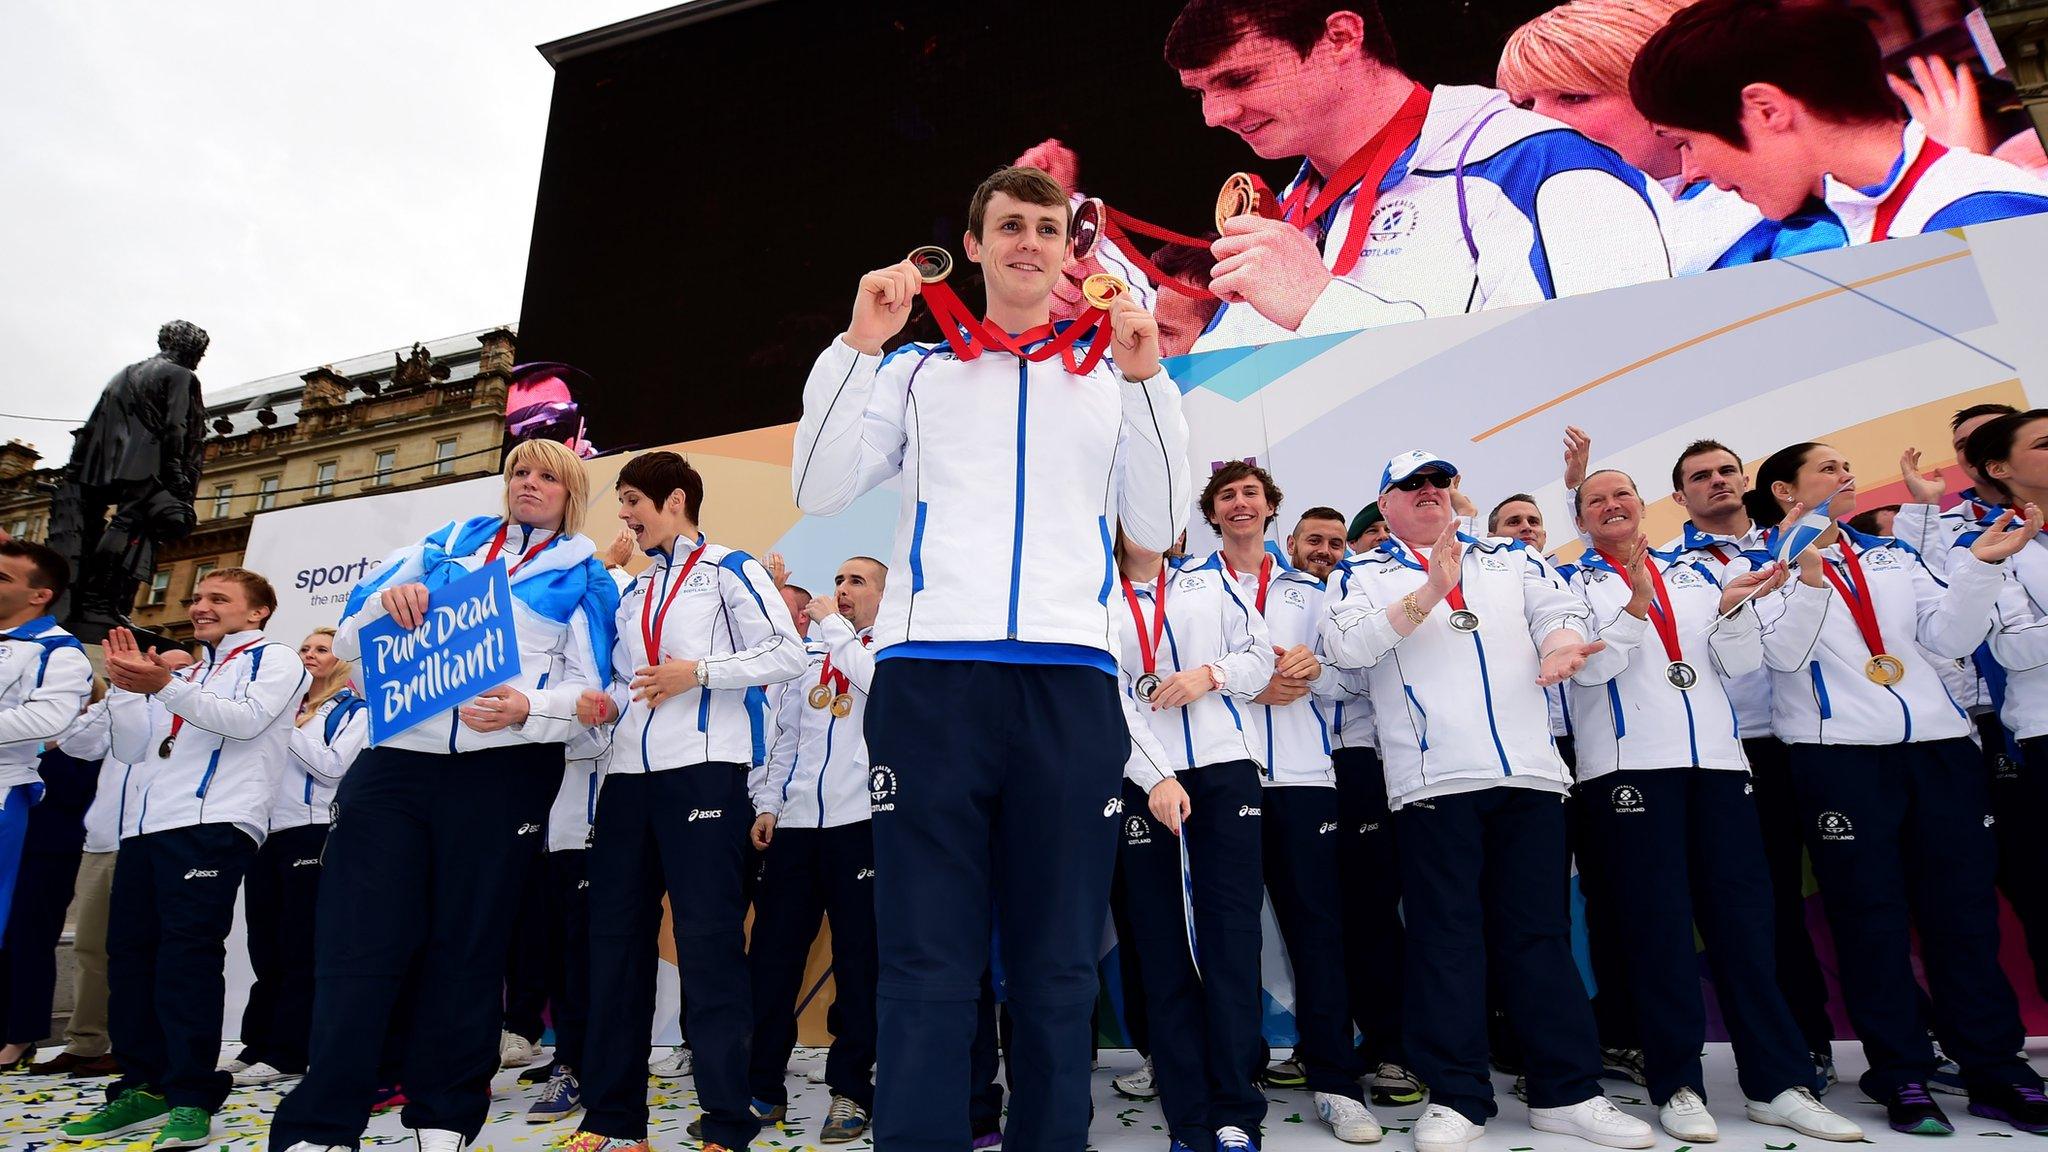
(307, 182)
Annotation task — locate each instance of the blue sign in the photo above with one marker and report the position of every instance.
(466, 646)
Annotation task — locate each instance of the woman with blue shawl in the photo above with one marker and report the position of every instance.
(435, 828)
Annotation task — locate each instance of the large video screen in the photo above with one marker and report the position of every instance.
(713, 189)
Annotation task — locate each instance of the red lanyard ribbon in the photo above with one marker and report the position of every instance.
(1661, 616)
(1888, 208)
(1265, 575)
(1148, 646)
(1364, 171)
(651, 622)
(969, 336)
(834, 679)
(178, 722)
(498, 545)
(1456, 598)
(1857, 593)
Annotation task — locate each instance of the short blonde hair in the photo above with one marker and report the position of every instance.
(1581, 46)
(552, 456)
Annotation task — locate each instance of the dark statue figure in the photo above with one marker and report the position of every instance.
(140, 455)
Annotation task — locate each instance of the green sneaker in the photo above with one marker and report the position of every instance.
(187, 1128)
(131, 1111)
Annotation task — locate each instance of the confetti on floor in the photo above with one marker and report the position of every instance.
(32, 1107)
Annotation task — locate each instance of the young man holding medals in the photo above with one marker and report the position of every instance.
(1667, 795)
(1891, 787)
(996, 738)
(811, 826)
(1411, 201)
(1192, 656)
(1300, 798)
(697, 629)
(1457, 638)
(208, 744)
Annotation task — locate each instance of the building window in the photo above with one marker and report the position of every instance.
(444, 457)
(387, 459)
(223, 500)
(18, 528)
(266, 494)
(200, 571)
(324, 485)
(159, 586)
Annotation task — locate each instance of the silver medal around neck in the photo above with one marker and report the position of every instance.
(1465, 620)
(163, 750)
(1148, 686)
(1682, 675)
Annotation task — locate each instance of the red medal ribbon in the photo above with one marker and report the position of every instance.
(1363, 171)
(1720, 553)
(651, 622)
(1265, 575)
(969, 337)
(498, 545)
(1456, 597)
(1114, 225)
(836, 680)
(1888, 208)
(1661, 616)
(1148, 646)
(178, 722)
(1857, 593)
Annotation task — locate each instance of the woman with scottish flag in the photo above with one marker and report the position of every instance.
(1890, 786)
(434, 827)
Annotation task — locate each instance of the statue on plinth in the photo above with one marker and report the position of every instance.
(139, 455)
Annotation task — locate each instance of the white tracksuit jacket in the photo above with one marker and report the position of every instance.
(1007, 468)
(1459, 711)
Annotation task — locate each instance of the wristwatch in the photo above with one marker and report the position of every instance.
(703, 675)
(1216, 677)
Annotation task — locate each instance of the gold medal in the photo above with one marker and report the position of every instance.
(1885, 668)
(820, 696)
(842, 705)
(163, 750)
(1102, 289)
(1239, 196)
(933, 263)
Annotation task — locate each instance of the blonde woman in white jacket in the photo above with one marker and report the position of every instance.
(1662, 772)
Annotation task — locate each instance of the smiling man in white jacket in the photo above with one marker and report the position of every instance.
(1458, 637)
(995, 735)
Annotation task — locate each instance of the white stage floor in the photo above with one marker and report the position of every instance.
(32, 1108)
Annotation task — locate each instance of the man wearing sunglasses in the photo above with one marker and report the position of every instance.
(1458, 637)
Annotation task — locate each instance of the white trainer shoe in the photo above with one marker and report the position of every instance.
(1685, 1118)
(231, 1066)
(516, 1051)
(309, 1146)
(1352, 1121)
(1442, 1130)
(1137, 1085)
(675, 1065)
(1795, 1108)
(1596, 1120)
(260, 1073)
(438, 1140)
